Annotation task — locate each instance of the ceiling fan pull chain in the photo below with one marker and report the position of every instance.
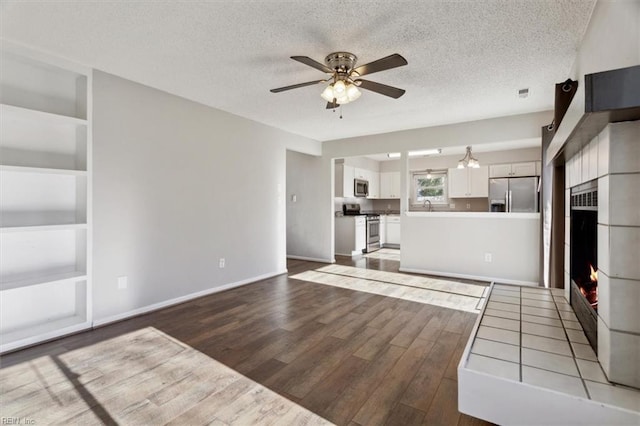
(340, 112)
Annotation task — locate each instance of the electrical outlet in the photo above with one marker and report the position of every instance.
(122, 283)
(452, 206)
(221, 262)
(388, 206)
(468, 206)
(294, 198)
(488, 257)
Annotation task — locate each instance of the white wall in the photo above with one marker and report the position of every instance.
(455, 244)
(612, 39)
(491, 131)
(304, 180)
(178, 185)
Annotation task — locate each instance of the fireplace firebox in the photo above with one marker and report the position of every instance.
(584, 258)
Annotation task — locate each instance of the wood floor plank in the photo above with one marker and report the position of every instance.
(410, 331)
(343, 409)
(333, 385)
(379, 405)
(382, 337)
(424, 385)
(405, 416)
(444, 408)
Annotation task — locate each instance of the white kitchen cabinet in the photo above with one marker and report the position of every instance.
(513, 170)
(350, 235)
(374, 184)
(383, 229)
(45, 188)
(393, 231)
(469, 182)
(390, 185)
(344, 176)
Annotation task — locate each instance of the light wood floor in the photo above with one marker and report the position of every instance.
(350, 357)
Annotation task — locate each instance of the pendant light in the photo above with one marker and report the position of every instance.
(468, 160)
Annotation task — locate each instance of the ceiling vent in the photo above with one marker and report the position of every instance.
(523, 93)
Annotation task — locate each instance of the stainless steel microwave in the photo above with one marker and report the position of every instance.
(360, 187)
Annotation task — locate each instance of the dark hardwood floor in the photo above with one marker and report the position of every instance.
(353, 358)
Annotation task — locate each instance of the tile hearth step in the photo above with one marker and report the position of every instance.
(529, 362)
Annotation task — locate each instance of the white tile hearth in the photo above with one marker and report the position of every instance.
(507, 324)
(583, 351)
(591, 370)
(501, 314)
(499, 335)
(542, 320)
(543, 330)
(542, 312)
(504, 307)
(614, 395)
(546, 362)
(546, 344)
(561, 382)
(507, 299)
(496, 350)
(495, 367)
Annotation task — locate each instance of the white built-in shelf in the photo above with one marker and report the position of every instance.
(11, 112)
(41, 228)
(45, 170)
(45, 331)
(45, 197)
(44, 279)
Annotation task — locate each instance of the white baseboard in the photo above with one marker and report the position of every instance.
(469, 277)
(310, 259)
(181, 299)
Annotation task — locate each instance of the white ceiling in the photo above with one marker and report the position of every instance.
(467, 59)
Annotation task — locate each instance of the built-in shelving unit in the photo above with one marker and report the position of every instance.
(45, 197)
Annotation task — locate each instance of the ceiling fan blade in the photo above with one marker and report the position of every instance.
(332, 105)
(313, 64)
(295, 86)
(383, 89)
(391, 61)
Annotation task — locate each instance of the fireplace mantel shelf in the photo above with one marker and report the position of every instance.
(528, 362)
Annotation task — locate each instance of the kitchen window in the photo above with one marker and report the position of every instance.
(429, 186)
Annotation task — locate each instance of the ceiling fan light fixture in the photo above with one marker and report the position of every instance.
(327, 94)
(339, 88)
(352, 92)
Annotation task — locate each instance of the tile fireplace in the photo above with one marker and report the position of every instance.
(584, 257)
(608, 168)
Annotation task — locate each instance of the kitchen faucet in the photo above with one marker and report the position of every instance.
(425, 204)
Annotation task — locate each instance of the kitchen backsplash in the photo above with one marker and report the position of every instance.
(393, 206)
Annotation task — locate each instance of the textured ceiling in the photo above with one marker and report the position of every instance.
(467, 59)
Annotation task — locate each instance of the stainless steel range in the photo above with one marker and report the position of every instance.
(373, 225)
(373, 232)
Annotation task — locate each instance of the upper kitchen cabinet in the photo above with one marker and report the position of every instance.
(372, 177)
(469, 182)
(344, 177)
(390, 185)
(513, 170)
(45, 193)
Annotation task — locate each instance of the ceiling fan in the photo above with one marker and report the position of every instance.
(345, 77)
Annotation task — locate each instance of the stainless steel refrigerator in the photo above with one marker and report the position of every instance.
(513, 195)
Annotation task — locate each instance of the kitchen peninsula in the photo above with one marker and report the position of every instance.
(501, 247)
